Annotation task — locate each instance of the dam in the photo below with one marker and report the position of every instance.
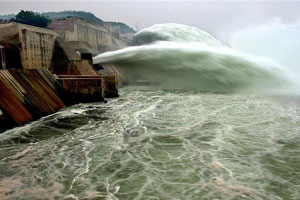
(211, 123)
(41, 73)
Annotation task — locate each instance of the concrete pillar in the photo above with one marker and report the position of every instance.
(108, 26)
(2, 58)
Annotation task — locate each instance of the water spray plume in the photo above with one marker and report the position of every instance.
(174, 56)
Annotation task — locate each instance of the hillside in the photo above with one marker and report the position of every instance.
(79, 14)
(124, 28)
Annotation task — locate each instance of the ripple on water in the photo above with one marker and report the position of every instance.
(157, 145)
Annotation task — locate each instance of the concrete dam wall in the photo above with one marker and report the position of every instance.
(81, 34)
(27, 47)
(41, 73)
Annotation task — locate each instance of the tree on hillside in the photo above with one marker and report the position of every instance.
(30, 18)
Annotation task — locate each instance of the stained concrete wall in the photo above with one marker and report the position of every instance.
(127, 36)
(116, 32)
(83, 34)
(66, 61)
(37, 49)
(82, 88)
(33, 48)
(35, 45)
(9, 33)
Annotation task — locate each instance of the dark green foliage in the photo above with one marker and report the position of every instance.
(79, 14)
(31, 18)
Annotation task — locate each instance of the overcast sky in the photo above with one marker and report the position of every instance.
(221, 18)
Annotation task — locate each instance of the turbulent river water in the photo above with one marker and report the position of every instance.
(218, 124)
(157, 144)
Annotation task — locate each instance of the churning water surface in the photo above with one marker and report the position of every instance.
(170, 141)
(157, 144)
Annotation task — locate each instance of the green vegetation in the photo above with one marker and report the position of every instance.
(69, 14)
(124, 28)
(31, 18)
